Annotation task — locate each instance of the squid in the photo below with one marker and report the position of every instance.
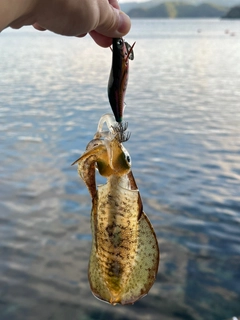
(125, 255)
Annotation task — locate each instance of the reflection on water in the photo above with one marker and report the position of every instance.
(183, 112)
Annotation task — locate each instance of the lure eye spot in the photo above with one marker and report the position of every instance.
(120, 42)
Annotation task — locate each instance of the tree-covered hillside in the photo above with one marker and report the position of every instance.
(233, 13)
(179, 10)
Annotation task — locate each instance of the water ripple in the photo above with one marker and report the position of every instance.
(182, 106)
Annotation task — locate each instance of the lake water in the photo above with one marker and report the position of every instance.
(183, 110)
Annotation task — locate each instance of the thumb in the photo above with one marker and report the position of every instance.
(113, 23)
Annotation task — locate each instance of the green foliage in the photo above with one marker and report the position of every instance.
(171, 9)
(233, 13)
(179, 10)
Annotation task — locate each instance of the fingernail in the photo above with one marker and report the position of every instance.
(124, 23)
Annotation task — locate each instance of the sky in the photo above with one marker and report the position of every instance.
(122, 1)
(220, 2)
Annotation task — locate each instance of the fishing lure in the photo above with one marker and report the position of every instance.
(125, 255)
(118, 79)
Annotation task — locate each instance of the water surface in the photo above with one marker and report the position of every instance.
(182, 106)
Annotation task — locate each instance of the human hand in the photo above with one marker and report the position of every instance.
(102, 19)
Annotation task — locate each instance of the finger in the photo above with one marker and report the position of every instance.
(114, 3)
(38, 27)
(100, 39)
(113, 23)
(81, 35)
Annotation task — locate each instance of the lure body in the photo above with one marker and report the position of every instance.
(117, 85)
(125, 256)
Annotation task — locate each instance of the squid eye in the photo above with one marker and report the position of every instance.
(127, 157)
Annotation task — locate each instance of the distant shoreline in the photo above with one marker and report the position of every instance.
(178, 10)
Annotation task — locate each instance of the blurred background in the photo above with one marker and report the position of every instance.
(182, 107)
